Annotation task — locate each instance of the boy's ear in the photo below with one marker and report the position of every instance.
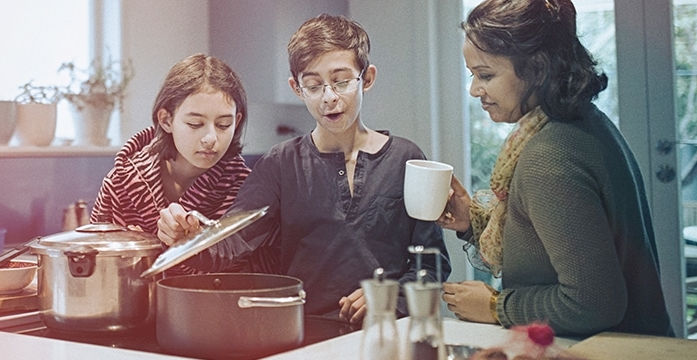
(295, 87)
(369, 76)
(165, 120)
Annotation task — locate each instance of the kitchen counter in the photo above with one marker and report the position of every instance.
(454, 332)
(25, 347)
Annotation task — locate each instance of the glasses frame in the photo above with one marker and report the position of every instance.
(303, 89)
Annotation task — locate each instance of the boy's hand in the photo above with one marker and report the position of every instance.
(353, 307)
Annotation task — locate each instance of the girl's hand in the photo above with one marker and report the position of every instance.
(174, 225)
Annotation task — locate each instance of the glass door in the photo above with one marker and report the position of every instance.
(685, 49)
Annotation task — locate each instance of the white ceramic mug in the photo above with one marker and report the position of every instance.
(426, 188)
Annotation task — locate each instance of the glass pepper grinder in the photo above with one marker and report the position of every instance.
(424, 340)
(380, 338)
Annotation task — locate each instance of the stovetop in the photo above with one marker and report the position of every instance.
(317, 329)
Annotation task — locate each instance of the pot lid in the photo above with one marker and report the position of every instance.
(210, 233)
(104, 237)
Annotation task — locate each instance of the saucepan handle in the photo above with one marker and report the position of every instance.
(14, 252)
(245, 302)
(82, 260)
(201, 218)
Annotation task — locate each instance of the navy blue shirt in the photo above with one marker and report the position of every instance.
(316, 231)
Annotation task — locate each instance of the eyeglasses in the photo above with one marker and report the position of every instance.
(339, 87)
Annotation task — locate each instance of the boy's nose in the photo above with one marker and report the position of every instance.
(329, 95)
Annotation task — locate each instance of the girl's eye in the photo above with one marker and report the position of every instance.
(224, 126)
(485, 77)
(194, 125)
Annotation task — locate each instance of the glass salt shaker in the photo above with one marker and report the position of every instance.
(380, 339)
(424, 339)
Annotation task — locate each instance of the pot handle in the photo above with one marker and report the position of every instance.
(81, 260)
(249, 301)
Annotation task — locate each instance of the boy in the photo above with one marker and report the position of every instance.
(336, 195)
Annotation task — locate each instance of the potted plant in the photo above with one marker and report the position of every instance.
(93, 93)
(36, 114)
(8, 119)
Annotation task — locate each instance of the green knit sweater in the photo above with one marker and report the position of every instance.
(578, 243)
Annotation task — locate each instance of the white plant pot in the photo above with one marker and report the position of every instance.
(91, 124)
(36, 124)
(8, 120)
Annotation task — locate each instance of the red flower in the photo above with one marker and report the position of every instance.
(541, 334)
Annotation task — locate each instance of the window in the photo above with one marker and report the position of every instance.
(46, 34)
(685, 48)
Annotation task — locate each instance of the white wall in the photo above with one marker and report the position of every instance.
(156, 34)
(416, 46)
(251, 36)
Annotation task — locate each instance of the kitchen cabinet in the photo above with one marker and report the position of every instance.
(252, 35)
(40, 182)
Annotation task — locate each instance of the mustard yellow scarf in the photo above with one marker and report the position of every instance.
(488, 208)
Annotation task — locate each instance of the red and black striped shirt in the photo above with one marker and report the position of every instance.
(132, 192)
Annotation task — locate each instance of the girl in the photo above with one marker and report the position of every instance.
(191, 154)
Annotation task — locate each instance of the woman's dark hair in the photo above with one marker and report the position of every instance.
(539, 37)
(189, 76)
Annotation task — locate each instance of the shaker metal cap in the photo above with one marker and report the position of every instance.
(380, 294)
(423, 299)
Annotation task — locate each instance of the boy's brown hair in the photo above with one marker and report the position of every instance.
(325, 33)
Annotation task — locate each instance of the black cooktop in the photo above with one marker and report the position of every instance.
(317, 329)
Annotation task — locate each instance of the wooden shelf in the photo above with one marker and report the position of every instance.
(56, 151)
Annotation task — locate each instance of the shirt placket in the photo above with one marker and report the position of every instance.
(343, 185)
(358, 181)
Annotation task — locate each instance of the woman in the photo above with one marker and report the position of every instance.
(191, 154)
(567, 224)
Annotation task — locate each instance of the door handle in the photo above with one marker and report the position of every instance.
(664, 147)
(665, 173)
